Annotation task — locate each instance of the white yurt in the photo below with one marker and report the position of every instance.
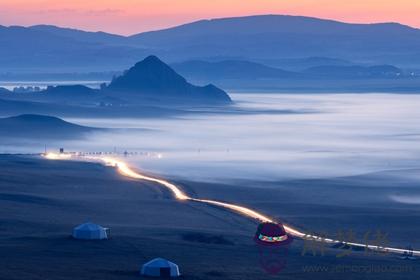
(160, 268)
(90, 231)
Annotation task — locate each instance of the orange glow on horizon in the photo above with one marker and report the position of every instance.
(133, 16)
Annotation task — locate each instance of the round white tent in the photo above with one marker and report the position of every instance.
(160, 268)
(89, 231)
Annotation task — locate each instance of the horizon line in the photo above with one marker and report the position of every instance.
(210, 19)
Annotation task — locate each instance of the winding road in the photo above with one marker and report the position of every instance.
(127, 171)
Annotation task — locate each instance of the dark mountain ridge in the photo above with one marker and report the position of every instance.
(30, 125)
(279, 36)
(230, 69)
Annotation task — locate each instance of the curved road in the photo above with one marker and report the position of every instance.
(125, 170)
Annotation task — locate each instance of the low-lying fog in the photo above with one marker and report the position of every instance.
(324, 135)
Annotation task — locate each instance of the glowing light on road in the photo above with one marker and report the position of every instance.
(240, 209)
(55, 156)
(125, 170)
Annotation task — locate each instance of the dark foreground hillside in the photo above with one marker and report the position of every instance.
(41, 201)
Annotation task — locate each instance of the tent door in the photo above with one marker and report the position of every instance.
(165, 272)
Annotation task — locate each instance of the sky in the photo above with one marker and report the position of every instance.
(134, 16)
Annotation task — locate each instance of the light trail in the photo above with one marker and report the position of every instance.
(125, 170)
(54, 156)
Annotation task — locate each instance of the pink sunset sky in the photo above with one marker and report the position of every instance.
(133, 16)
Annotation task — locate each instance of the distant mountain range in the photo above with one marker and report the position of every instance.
(274, 40)
(40, 126)
(276, 36)
(230, 69)
(244, 70)
(240, 76)
(79, 35)
(299, 64)
(376, 71)
(33, 49)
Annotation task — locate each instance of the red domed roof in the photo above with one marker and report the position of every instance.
(271, 234)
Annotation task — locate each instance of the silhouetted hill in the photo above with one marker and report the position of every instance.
(155, 80)
(229, 69)
(40, 126)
